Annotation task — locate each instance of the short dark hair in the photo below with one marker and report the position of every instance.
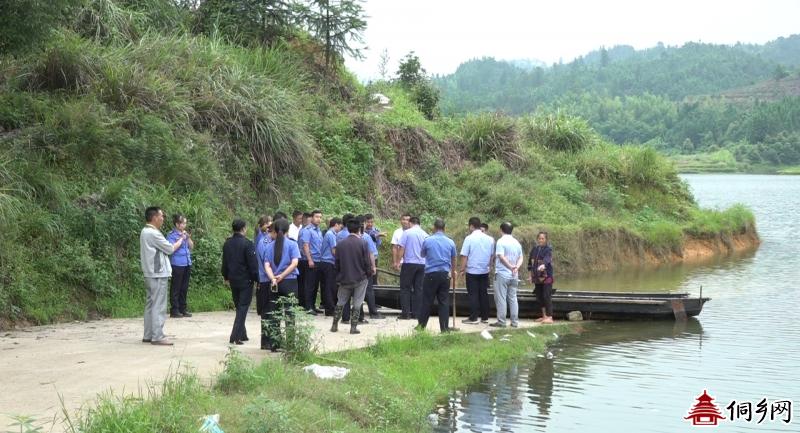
(346, 218)
(368, 217)
(405, 215)
(353, 226)
(151, 213)
(475, 222)
(238, 225)
(296, 213)
(438, 224)
(414, 220)
(333, 221)
(485, 226)
(316, 211)
(177, 218)
(278, 215)
(306, 215)
(506, 228)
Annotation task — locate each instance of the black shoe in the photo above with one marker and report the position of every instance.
(378, 316)
(312, 312)
(319, 311)
(469, 321)
(175, 315)
(238, 343)
(329, 314)
(404, 317)
(146, 340)
(364, 321)
(186, 314)
(497, 325)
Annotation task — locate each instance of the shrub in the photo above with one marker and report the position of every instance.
(558, 132)
(490, 136)
(239, 374)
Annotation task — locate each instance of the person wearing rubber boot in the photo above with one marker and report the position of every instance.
(353, 268)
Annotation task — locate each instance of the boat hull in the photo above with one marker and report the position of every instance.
(592, 305)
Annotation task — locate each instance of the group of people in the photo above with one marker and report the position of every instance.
(299, 259)
(428, 265)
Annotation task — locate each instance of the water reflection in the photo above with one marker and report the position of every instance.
(646, 375)
(521, 398)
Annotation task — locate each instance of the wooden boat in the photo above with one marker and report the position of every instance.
(592, 305)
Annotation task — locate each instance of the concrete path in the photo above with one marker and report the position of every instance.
(81, 359)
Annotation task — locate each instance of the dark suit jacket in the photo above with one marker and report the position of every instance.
(239, 264)
(352, 260)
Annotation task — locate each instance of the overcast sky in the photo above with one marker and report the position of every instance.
(445, 33)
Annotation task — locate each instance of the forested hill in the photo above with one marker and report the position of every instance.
(738, 102)
(672, 72)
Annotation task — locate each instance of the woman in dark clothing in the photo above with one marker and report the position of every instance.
(540, 265)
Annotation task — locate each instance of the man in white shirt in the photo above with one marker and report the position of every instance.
(476, 257)
(508, 253)
(295, 226)
(404, 225)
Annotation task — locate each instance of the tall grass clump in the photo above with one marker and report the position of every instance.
(174, 406)
(737, 219)
(558, 132)
(490, 136)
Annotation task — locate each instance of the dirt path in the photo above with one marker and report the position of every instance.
(81, 359)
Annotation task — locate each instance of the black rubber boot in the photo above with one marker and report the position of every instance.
(354, 314)
(337, 314)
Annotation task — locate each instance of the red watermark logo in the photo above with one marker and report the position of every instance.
(706, 413)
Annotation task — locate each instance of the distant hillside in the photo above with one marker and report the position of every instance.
(767, 90)
(692, 99)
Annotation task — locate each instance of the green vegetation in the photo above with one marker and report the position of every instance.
(392, 387)
(689, 100)
(129, 104)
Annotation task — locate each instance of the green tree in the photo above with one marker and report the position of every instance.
(246, 21)
(780, 73)
(410, 71)
(339, 25)
(25, 24)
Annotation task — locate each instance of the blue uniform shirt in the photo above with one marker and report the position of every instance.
(373, 248)
(328, 244)
(438, 251)
(290, 251)
(261, 249)
(312, 236)
(478, 248)
(182, 256)
(374, 233)
(342, 235)
(411, 241)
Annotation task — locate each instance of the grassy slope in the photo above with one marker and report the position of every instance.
(94, 130)
(392, 387)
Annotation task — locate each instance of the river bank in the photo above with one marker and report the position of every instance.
(71, 363)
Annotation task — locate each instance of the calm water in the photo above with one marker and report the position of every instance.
(645, 375)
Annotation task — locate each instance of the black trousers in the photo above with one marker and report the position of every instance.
(436, 285)
(478, 291)
(179, 288)
(312, 280)
(302, 269)
(262, 297)
(242, 297)
(327, 276)
(544, 294)
(270, 320)
(411, 276)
